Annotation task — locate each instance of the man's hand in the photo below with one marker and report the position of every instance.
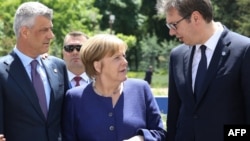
(45, 55)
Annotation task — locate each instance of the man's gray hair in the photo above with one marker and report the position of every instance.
(26, 14)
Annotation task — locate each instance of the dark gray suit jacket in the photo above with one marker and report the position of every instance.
(21, 117)
(225, 96)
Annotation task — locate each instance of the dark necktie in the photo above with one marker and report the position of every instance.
(77, 80)
(201, 72)
(38, 85)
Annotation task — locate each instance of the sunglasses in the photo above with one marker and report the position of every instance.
(71, 48)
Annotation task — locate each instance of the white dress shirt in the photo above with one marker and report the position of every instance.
(211, 45)
(26, 60)
(84, 81)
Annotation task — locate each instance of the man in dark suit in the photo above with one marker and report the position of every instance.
(29, 112)
(201, 104)
(71, 55)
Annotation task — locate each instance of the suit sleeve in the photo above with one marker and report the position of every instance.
(155, 129)
(2, 99)
(245, 77)
(66, 80)
(173, 103)
(68, 130)
(1, 110)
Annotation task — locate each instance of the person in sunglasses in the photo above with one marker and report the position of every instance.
(72, 44)
(111, 107)
(209, 81)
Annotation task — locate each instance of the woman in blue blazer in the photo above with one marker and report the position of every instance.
(112, 107)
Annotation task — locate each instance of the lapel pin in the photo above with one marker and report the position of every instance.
(223, 53)
(55, 70)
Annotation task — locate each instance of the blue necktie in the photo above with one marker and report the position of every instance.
(201, 72)
(39, 87)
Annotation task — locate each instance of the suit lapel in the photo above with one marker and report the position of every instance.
(188, 60)
(52, 76)
(219, 57)
(19, 75)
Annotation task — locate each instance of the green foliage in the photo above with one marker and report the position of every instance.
(133, 74)
(226, 12)
(136, 22)
(150, 52)
(243, 25)
(126, 15)
(154, 52)
(159, 78)
(129, 39)
(234, 14)
(7, 38)
(70, 15)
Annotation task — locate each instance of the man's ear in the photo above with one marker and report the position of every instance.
(24, 32)
(196, 16)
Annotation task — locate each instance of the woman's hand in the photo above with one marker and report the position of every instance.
(135, 138)
(2, 138)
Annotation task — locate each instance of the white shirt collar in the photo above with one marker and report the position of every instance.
(213, 40)
(24, 58)
(83, 75)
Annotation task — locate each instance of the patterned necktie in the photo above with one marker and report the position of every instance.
(38, 85)
(201, 72)
(77, 80)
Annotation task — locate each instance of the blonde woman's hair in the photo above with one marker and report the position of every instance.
(97, 47)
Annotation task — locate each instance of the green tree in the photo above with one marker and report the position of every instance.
(127, 21)
(155, 53)
(72, 15)
(242, 22)
(126, 15)
(131, 42)
(68, 15)
(234, 14)
(226, 12)
(7, 38)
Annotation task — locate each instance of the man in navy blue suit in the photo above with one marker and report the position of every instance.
(25, 115)
(224, 92)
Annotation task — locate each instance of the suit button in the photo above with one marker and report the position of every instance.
(111, 128)
(110, 114)
(195, 116)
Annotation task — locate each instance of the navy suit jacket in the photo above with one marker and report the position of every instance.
(224, 98)
(21, 118)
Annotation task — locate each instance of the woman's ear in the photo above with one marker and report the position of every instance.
(97, 66)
